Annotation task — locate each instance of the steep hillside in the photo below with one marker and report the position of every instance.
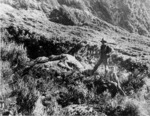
(131, 15)
(49, 47)
(134, 16)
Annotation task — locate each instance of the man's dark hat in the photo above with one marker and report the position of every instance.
(103, 41)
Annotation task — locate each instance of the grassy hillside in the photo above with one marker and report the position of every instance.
(131, 15)
(33, 32)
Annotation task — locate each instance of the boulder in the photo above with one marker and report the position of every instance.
(42, 59)
(68, 61)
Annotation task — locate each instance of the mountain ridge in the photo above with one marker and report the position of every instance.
(133, 16)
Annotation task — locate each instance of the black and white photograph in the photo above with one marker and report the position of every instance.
(74, 57)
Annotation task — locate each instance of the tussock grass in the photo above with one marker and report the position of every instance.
(42, 5)
(25, 4)
(6, 71)
(15, 54)
(13, 58)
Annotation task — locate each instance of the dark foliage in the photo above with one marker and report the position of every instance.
(129, 64)
(25, 102)
(134, 83)
(61, 16)
(37, 45)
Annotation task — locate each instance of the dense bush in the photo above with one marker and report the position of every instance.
(38, 45)
(26, 102)
(13, 59)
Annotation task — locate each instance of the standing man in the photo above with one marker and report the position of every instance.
(104, 55)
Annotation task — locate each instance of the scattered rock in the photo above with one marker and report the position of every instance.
(58, 62)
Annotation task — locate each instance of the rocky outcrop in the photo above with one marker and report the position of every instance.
(59, 63)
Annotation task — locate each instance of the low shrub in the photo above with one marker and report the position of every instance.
(134, 83)
(6, 70)
(15, 54)
(25, 101)
(130, 109)
(74, 95)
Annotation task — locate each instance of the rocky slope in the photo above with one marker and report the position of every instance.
(131, 15)
(36, 37)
